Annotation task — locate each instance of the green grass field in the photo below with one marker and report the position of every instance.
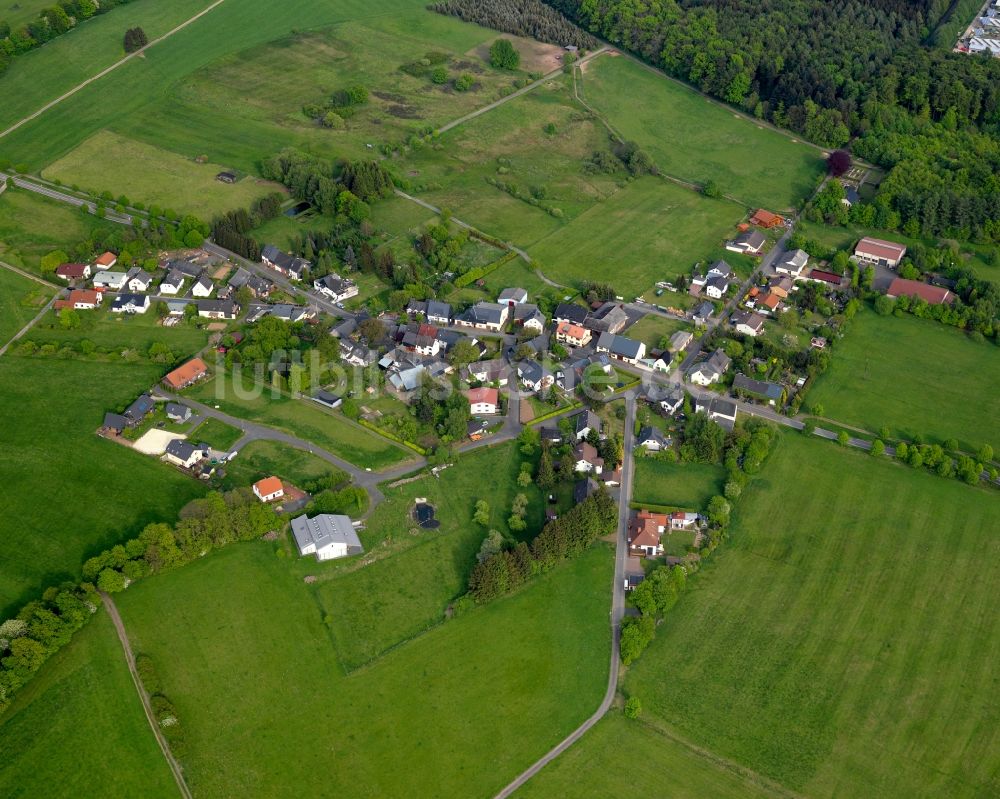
(652, 327)
(917, 377)
(216, 434)
(18, 14)
(305, 419)
(418, 572)
(257, 679)
(20, 301)
(69, 493)
(696, 140)
(144, 172)
(78, 728)
(686, 485)
(619, 751)
(843, 641)
(260, 459)
(32, 226)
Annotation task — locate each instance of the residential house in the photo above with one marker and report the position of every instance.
(130, 303)
(326, 536)
(572, 335)
(178, 413)
(586, 459)
(658, 361)
(186, 374)
(139, 410)
(830, 279)
(609, 318)
(423, 340)
(335, 287)
(933, 295)
(187, 268)
(172, 283)
(570, 313)
(512, 296)
(106, 260)
(327, 398)
(719, 410)
(673, 401)
(483, 400)
(73, 271)
(621, 348)
(494, 371)
(652, 440)
(766, 219)
(680, 340)
(780, 287)
(584, 421)
(478, 429)
(583, 489)
(879, 252)
(792, 263)
(184, 454)
(176, 307)
(484, 316)
(114, 423)
(269, 489)
(203, 287)
(759, 389)
(716, 287)
(528, 317)
(750, 242)
(81, 300)
(644, 533)
(438, 313)
(769, 303)
(292, 313)
(288, 265)
(702, 314)
(356, 354)
(533, 377)
(748, 323)
(138, 279)
(113, 281)
(345, 328)
(710, 371)
(551, 435)
(683, 520)
(218, 309)
(258, 286)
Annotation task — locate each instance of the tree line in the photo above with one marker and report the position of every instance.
(232, 229)
(519, 17)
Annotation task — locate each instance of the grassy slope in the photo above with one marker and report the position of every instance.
(844, 641)
(216, 434)
(693, 139)
(78, 729)
(916, 376)
(652, 764)
(111, 330)
(20, 301)
(265, 458)
(686, 485)
(69, 493)
(256, 682)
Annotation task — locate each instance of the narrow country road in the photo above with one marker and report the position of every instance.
(29, 275)
(31, 324)
(108, 70)
(175, 767)
(617, 611)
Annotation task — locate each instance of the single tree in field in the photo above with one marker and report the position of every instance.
(135, 39)
(839, 162)
(503, 55)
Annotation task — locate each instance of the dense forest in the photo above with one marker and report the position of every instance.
(839, 73)
(520, 17)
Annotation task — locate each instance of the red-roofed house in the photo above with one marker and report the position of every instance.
(820, 276)
(935, 295)
(483, 400)
(186, 374)
(80, 300)
(763, 218)
(269, 489)
(73, 271)
(879, 252)
(644, 533)
(574, 335)
(106, 260)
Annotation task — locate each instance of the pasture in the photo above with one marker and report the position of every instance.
(146, 173)
(258, 677)
(916, 376)
(18, 14)
(301, 417)
(697, 140)
(78, 728)
(116, 333)
(20, 301)
(260, 459)
(684, 485)
(843, 641)
(216, 434)
(51, 459)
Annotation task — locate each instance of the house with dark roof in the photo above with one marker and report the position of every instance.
(571, 313)
(583, 421)
(73, 271)
(703, 313)
(258, 286)
(758, 389)
(748, 323)
(512, 296)
(172, 283)
(609, 318)
(292, 313)
(178, 413)
(203, 286)
(335, 287)
(621, 348)
(284, 263)
(533, 376)
(130, 303)
(652, 440)
(114, 423)
(327, 398)
(750, 242)
(484, 316)
(140, 408)
(138, 279)
(438, 313)
(492, 371)
(721, 411)
(184, 454)
(711, 370)
(218, 309)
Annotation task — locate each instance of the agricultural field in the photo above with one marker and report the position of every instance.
(216, 434)
(657, 765)
(682, 485)
(51, 410)
(32, 226)
(417, 572)
(916, 376)
(302, 418)
(843, 641)
(697, 140)
(20, 301)
(258, 676)
(79, 730)
(260, 459)
(144, 172)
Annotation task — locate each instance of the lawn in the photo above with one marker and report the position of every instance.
(70, 494)
(418, 572)
(302, 418)
(216, 434)
(651, 230)
(32, 226)
(146, 173)
(844, 640)
(78, 728)
(18, 14)
(917, 377)
(20, 301)
(684, 485)
(652, 763)
(257, 678)
(260, 459)
(653, 327)
(693, 138)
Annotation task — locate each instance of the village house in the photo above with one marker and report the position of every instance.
(879, 252)
(288, 265)
(493, 371)
(652, 440)
(80, 300)
(269, 489)
(750, 242)
(138, 279)
(719, 410)
(529, 318)
(113, 281)
(326, 536)
(218, 309)
(533, 376)
(483, 400)
(130, 303)
(114, 423)
(140, 408)
(335, 287)
(73, 271)
(933, 295)
(621, 348)
(780, 287)
(177, 413)
(702, 314)
(584, 421)
(644, 533)
(570, 313)
(106, 260)
(683, 520)
(710, 371)
(356, 354)
(484, 316)
(609, 318)
(512, 296)
(759, 389)
(673, 401)
(292, 313)
(769, 303)
(680, 340)
(172, 283)
(572, 335)
(766, 219)
(186, 374)
(586, 459)
(658, 361)
(748, 323)
(203, 287)
(184, 454)
(792, 263)
(327, 399)
(258, 286)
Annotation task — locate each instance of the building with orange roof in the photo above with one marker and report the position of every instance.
(644, 533)
(573, 335)
(483, 400)
(186, 374)
(80, 300)
(106, 260)
(767, 219)
(269, 489)
(934, 295)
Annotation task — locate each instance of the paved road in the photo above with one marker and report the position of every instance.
(64, 197)
(617, 612)
(116, 619)
(112, 68)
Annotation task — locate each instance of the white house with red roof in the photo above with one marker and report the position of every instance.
(483, 400)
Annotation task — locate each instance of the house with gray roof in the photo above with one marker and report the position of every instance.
(137, 279)
(652, 440)
(284, 263)
(438, 313)
(759, 389)
(177, 412)
(172, 283)
(609, 318)
(710, 371)
(183, 453)
(721, 411)
(513, 296)
(484, 316)
(258, 286)
(570, 312)
(335, 287)
(621, 348)
(750, 242)
(327, 536)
